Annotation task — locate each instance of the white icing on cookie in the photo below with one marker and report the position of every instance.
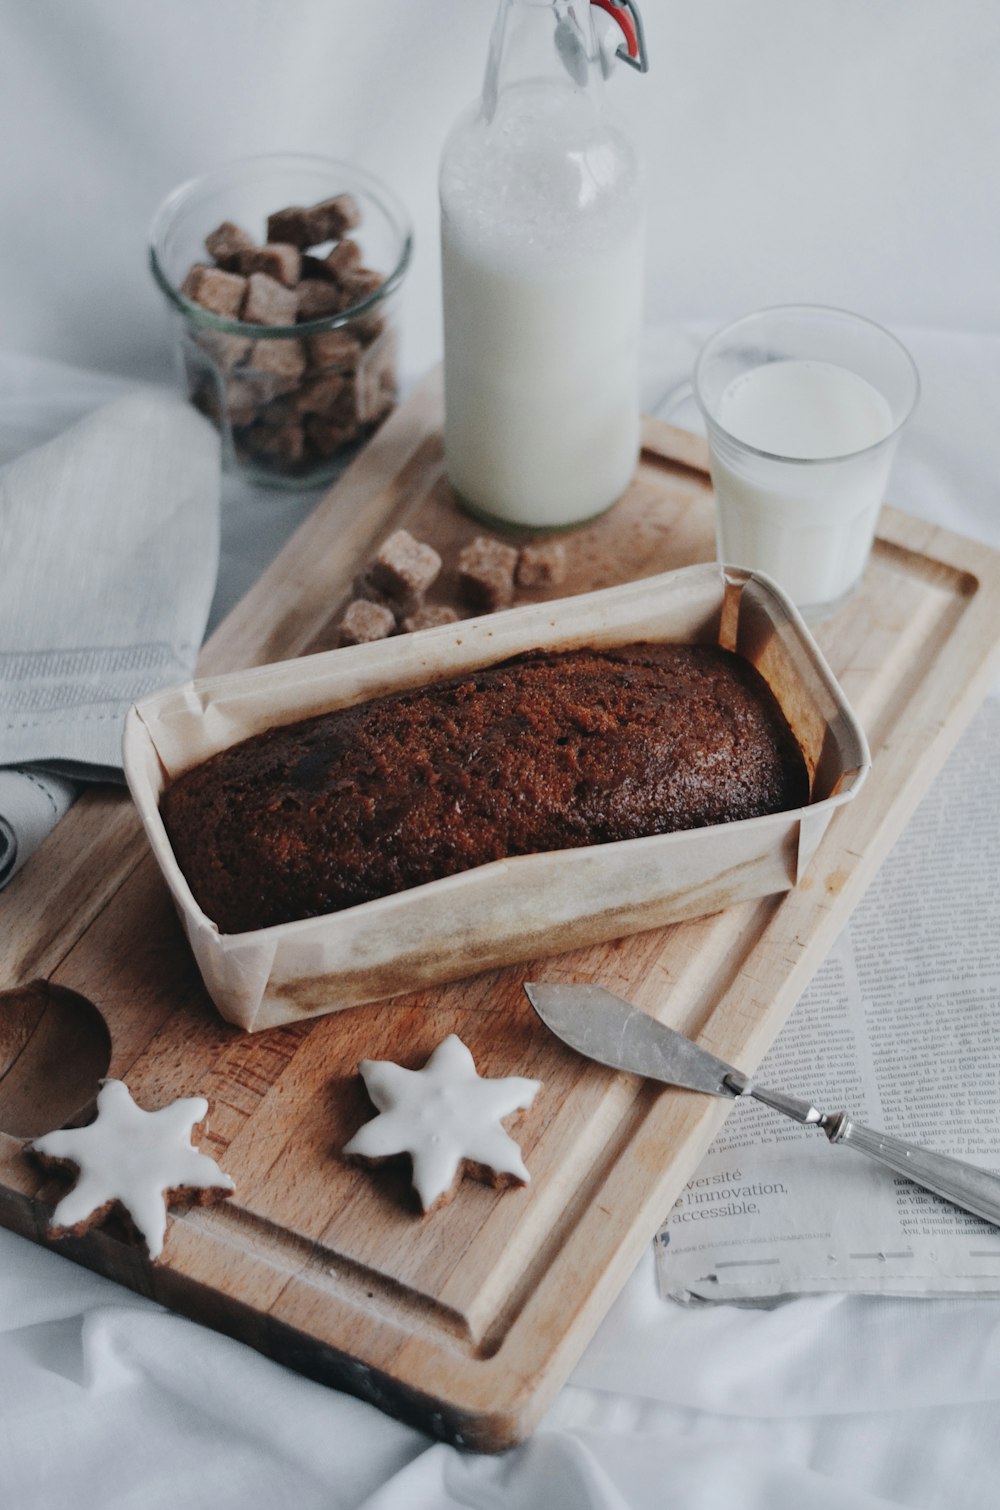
(134, 1157)
(442, 1115)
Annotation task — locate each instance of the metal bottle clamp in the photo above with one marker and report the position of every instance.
(626, 13)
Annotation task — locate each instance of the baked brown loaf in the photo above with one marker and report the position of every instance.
(551, 750)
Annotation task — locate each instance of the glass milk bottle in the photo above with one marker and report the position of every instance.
(542, 249)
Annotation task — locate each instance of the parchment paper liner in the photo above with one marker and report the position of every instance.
(532, 905)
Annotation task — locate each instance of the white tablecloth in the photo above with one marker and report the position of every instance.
(838, 152)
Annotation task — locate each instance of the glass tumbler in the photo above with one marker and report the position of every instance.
(804, 406)
(290, 399)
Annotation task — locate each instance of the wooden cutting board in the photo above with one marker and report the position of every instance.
(469, 1320)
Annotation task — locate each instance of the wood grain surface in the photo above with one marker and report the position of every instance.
(468, 1320)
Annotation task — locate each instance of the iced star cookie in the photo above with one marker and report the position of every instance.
(447, 1118)
(132, 1158)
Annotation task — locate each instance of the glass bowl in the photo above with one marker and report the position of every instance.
(289, 399)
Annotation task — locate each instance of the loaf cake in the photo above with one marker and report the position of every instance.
(550, 750)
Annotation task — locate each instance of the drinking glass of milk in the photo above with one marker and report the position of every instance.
(541, 251)
(804, 407)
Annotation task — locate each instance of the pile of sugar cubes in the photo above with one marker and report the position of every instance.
(390, 596)
(292, 402)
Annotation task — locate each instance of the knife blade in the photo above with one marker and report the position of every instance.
(602, 1026)
(611, 1031)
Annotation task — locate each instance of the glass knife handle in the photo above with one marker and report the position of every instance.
(965, 1185)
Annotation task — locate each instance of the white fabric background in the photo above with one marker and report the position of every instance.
(845, 151)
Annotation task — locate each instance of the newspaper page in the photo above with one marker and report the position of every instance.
(901, 1028)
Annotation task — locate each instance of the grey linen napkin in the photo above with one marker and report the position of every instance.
(109, 550)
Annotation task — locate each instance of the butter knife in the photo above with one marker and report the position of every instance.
(609, 1030)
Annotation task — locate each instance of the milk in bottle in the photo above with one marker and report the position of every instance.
(542, 245)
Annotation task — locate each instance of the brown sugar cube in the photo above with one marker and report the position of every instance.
(376, 396)
(242, 401)
(344, 260)
(360, 285)
(329, 394)
(227, 242)
(268, 302)
(486, 573)
(286, 445)
(205, 398)
(319, 299)
(329, 435)
(204, 388)
(370, 326)
(279, 259)
(404, 566)
(333, 218)
(232, 409)
(314, 267)
(542, 564)
(226, 351)
(292, 226)
(323, 400)
(377, 380)
(364, 622)
(284, 361)
(430, 616)
(381, 354)
(278, 410)
(283, 445)
(213, 289)
(334, 348)
(363, 587)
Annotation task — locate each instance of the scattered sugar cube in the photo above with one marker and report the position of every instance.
(429, 616)
(364, 622)
(220, 292)
(268, 302)
(542, 564)
(364, 587)
(486, 573)
(404, 566)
